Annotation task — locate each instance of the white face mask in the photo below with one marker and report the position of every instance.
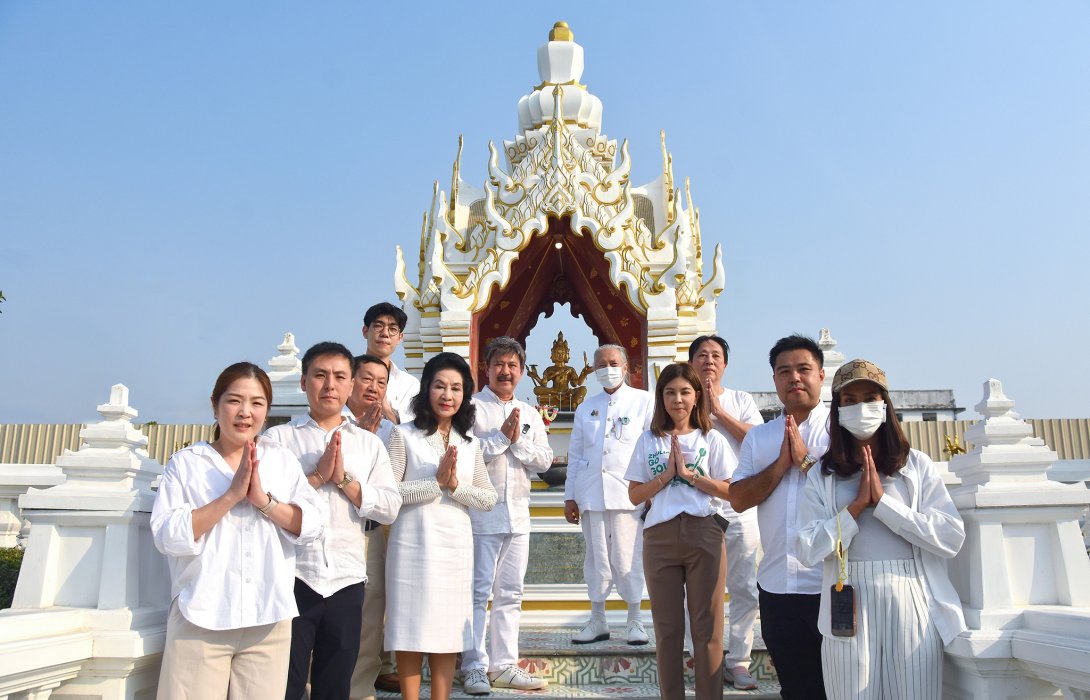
(863, 419)
(609, 377)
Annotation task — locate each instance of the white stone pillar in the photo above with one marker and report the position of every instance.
(285, 371)
(90, 552)
(1023, 575)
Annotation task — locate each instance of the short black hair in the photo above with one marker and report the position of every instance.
(795, 341)
(325, 348)
(360, 360)
(425, 419)
(695, 345)
(385, 308)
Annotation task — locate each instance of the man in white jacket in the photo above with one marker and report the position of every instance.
(603, 436)
(515, 446)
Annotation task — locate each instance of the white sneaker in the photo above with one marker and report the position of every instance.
(594, 631)
(475, 682)
(514, 677)
(739, 677)
(637, 635)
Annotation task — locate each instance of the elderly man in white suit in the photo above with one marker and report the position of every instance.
(603, 436)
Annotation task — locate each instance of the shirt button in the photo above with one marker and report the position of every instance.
(247, 579)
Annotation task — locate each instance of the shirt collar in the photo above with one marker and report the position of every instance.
(303, 420)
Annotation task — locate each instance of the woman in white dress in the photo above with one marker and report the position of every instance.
(429, 559)
(227, 516)
(879, 515)
(680, 465)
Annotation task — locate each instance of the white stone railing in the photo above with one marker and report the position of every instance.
(89, 615)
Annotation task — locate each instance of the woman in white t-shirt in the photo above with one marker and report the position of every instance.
(680, 466)
(227, 516)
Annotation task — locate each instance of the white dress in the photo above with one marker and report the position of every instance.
(429, 558)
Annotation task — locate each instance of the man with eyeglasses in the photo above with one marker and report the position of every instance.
(383, 329)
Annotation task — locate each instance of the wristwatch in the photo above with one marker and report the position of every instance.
(345, 481)
(807, 462)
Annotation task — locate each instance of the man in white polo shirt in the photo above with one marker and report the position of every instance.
(384, 329)
(605, 430)
(771, 475)
(733, 413)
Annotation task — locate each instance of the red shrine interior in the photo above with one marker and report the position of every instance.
(543, 276)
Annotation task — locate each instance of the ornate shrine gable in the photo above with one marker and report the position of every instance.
(560, 222)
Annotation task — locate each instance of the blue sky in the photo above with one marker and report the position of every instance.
(180, 183)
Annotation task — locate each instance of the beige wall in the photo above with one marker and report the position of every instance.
(41, 443)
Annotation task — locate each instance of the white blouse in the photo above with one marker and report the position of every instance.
(241, 573)
(706, 453)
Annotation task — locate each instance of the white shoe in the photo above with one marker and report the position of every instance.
(739, 677)
(594, 631)
(514, 677)
(475, 682)
(637, 635)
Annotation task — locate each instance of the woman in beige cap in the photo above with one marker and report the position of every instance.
(878, 514)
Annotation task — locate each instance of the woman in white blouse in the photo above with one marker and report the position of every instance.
(227, 516)
(429, 559)
(680, 466)
(879, 515)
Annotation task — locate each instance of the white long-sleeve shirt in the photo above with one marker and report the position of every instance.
(780, 571)
(401, 387)
(509, 464)
(340, 558)
(241, 572)
(604, 433)
(928, 521)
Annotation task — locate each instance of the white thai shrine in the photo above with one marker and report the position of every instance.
(558, 221)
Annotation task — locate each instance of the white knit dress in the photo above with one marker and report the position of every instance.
(429, 558)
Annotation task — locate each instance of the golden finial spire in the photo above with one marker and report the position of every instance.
(561, 32)
(454, 183)
(667, 178)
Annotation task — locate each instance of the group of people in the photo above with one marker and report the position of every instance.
(312, 556)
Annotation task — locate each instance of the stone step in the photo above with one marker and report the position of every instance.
(767, 690)
(610, 668)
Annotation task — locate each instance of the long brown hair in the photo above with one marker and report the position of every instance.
(698, 417)
(239, 370)
(843, 457)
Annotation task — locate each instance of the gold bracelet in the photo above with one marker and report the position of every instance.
(321, 479)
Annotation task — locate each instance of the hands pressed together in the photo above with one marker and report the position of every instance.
(870, 486)
(331, 464)
(447, 474)
(793, 448)
(511, 427)
(372, 417)
(246, 484)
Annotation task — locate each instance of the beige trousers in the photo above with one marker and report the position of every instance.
(200, 664)
(373, 660)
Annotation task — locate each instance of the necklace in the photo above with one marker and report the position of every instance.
(446, 438)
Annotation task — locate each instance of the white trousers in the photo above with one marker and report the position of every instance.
(499, 566)
(743, 540)
(614, 540)
(896, 653)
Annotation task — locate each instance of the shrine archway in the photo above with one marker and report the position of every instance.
(561, 267)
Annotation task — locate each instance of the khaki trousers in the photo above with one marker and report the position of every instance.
(684, 562)
(373, 660)
(200, 664)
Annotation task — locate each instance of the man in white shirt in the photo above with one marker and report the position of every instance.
(350, 470)
(384, 329)
(605, 430)
(375, 667)
(515, 446)
(771, 475)
(733, 413)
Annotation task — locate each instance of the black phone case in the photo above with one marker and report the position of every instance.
(842, 610)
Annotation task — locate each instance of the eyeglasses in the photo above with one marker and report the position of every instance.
(391, 328)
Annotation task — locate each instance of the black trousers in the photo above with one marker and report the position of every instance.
(328, 629)
(789, 626)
